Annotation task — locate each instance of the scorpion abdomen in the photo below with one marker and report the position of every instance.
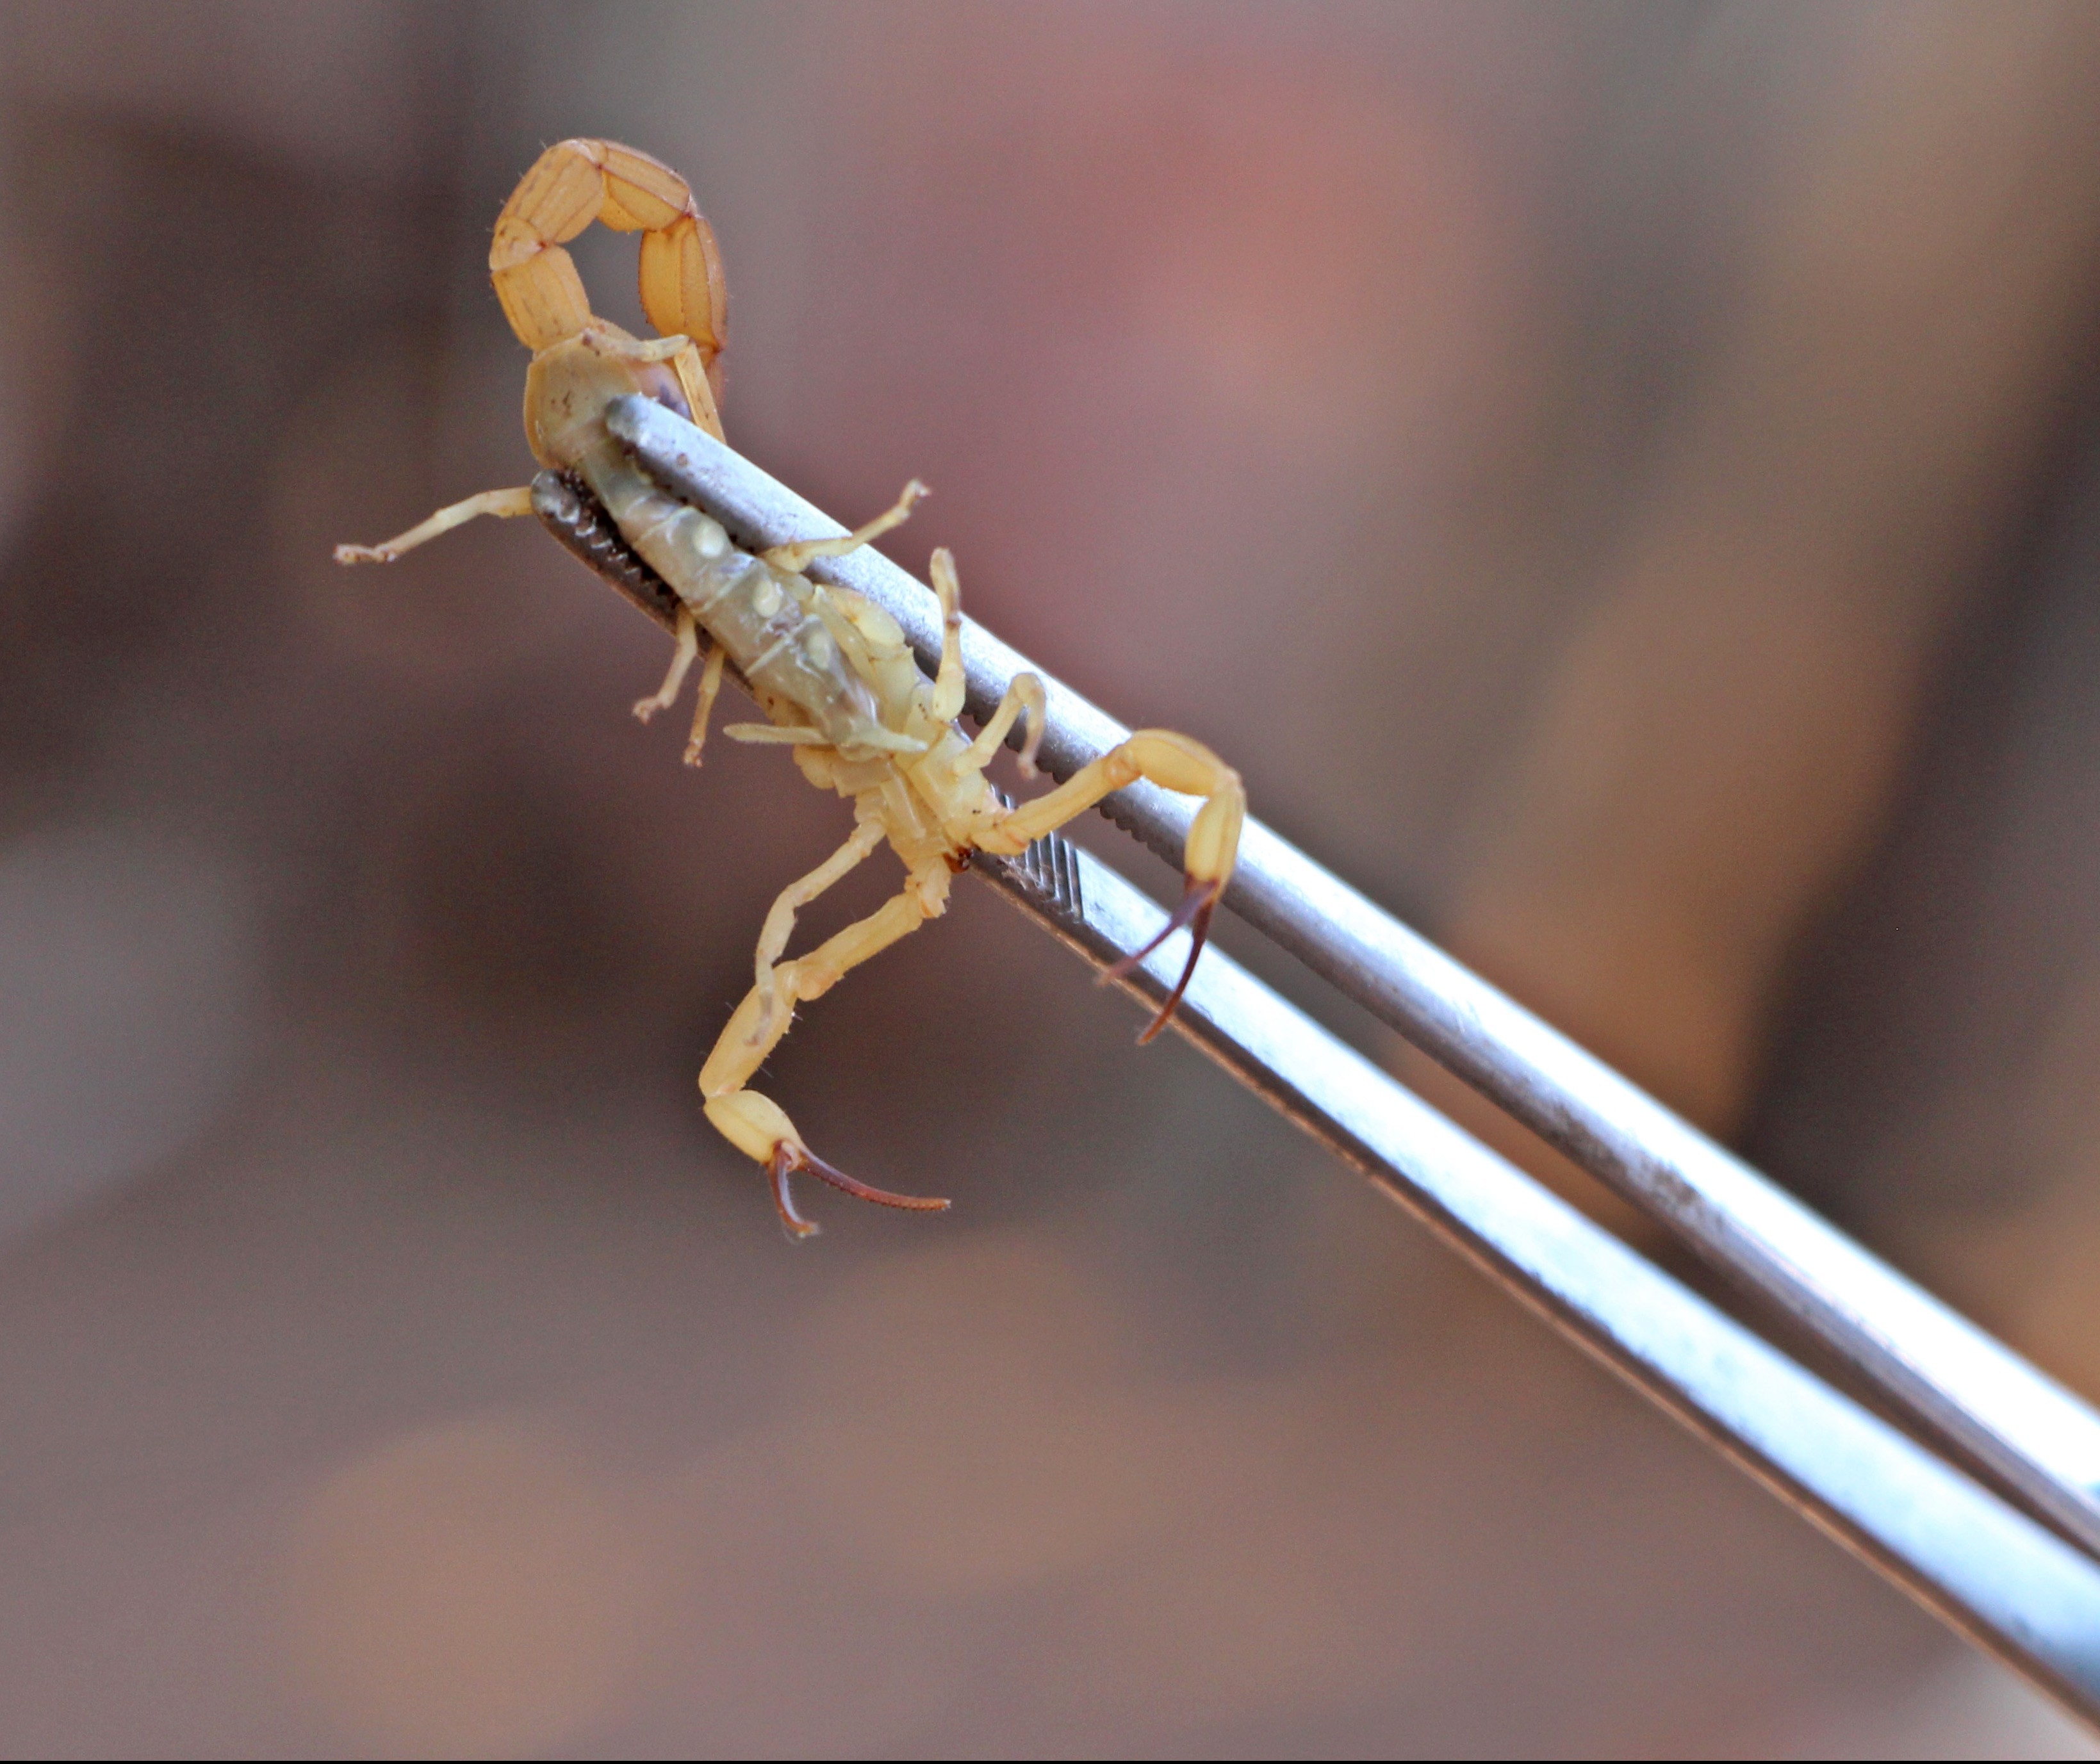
(761, 616)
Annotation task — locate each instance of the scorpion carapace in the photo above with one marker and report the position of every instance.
(831, 672)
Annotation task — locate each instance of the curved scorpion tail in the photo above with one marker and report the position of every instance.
(571, 185)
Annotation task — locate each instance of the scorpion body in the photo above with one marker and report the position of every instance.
(833, 673)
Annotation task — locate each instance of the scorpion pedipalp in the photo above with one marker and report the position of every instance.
(1174, 762)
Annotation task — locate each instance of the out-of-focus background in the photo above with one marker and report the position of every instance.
(1623, 482)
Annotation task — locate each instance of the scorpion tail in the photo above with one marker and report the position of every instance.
(1198, 902)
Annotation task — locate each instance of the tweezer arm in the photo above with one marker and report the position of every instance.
(2017, 1591)
(1943, 1375)
(1995, 1575)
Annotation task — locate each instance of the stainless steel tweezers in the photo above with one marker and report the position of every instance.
(1977, 1488)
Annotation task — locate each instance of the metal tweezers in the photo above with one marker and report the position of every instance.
(1972, 1482)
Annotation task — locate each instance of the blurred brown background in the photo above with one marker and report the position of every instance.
(1623, 483)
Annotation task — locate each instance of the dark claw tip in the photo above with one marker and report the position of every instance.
(788, 1157)
(1198, 900)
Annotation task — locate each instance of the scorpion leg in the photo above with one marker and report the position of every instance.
(946, 703)
(1023, 693)
(777, 734)
(703, 707)
(797, 557)
(756, 1125)
(1175, 763)
(505, 505)
(780, 917)
(681, 661)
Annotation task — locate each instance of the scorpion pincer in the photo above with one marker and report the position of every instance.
(831, 672)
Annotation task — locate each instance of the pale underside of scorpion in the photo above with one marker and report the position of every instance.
(831, 672)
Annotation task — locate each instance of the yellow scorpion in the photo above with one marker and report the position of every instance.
(830, 671)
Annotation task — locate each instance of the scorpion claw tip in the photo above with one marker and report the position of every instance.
(1194, 911)
(783, 1163)
(788, 1156)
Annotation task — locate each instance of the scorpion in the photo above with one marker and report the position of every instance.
(831, 672)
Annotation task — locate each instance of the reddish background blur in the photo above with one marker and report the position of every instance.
(1621, 482)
